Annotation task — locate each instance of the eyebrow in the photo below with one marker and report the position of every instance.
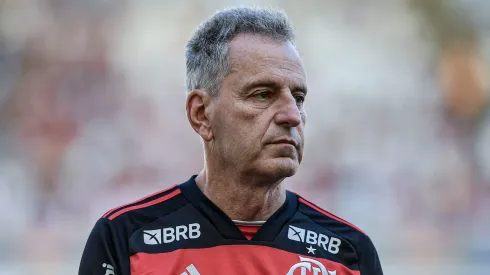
(269, 83)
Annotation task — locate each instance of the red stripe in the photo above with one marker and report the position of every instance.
(140, 200)
(150, 203)
(231, 259)
(329, 214)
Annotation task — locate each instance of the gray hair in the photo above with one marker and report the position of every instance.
(207, 50)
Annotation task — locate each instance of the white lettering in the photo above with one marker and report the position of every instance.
(323, 241)
(333, 245)
(311, 237)
(194, 230)
(171, 234)
(330, 244)
(181, 230)
(168, 235)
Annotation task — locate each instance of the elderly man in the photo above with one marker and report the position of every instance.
(246, 89)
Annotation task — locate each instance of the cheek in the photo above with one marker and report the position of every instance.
(246, 118)
(231, 128)
(242, 124)
(246, 113)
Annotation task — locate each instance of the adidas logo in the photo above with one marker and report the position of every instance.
(109, 269)
(191, 270)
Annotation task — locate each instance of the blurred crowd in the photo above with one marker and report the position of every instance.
(397, 140)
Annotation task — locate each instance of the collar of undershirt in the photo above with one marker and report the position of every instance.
(249, 223)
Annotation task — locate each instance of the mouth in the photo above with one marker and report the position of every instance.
(285, 141)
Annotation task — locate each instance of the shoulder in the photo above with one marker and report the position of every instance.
(325, 218)
(356, 236)
(364, 248)
(108, 239)
(146, 209)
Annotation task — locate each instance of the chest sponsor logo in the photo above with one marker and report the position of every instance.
(330, 244)
(310, 266)
(172, 234)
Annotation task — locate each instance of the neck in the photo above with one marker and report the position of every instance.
(242, 199)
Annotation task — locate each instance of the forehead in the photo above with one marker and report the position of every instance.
(254, 56)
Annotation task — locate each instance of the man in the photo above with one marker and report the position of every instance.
(247, 86)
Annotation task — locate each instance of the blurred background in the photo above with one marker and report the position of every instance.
(398, 135)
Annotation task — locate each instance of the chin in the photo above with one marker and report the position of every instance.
(280, 168)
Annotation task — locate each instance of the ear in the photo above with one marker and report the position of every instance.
(198, 106)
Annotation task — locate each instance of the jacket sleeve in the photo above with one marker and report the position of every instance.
(369, 259)
(103, 253)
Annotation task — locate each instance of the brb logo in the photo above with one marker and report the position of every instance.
(312, 266)
(171, 234)
(331, 244)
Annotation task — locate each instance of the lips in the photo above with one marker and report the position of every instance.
(285, 141)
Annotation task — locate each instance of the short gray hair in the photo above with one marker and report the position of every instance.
(207, 50)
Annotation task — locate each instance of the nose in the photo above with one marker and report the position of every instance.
(288, 112)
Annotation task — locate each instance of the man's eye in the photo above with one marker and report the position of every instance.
(300, 98)
(263, 95)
